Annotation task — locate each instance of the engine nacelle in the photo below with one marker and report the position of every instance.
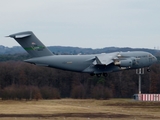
(123, 63)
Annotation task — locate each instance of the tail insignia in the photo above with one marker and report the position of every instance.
(35, 47)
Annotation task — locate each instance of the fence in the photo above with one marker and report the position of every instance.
(147, 97)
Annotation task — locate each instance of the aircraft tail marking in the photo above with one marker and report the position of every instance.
(31, 44)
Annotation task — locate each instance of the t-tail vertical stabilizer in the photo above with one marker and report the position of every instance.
(31, 44)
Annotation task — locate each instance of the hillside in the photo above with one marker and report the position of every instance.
(75, 50)
(18, 79)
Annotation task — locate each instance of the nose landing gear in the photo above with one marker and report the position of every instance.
(148, 70)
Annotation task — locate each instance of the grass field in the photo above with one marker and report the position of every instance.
(75, 109)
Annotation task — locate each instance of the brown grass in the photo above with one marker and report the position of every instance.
(75, 109)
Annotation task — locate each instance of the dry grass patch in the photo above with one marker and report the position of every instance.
(75, 109)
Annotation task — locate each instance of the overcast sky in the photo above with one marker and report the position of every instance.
(83, 23)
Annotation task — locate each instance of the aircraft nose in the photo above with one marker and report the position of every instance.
(154, 59)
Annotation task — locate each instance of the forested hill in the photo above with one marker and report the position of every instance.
(19, 80)
(76, 50)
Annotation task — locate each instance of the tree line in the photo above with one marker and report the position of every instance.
(19, 80)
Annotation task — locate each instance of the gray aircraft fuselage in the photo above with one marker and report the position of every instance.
(84, 63)
(94, 64)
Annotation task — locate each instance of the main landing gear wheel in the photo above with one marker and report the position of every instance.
(148, 70)
(98, 75)
(105, 74)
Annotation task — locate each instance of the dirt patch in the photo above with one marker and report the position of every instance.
(82, 115)
(77, 115)
(134, 104)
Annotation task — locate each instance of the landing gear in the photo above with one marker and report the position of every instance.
(105, 74)
(148, 70)
(99, 74)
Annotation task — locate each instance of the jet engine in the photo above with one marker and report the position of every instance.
(124, 63)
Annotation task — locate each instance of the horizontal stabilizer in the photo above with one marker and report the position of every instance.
(20, 35)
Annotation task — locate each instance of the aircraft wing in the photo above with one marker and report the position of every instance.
(105, 58)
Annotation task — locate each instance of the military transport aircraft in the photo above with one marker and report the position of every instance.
(95, 64)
